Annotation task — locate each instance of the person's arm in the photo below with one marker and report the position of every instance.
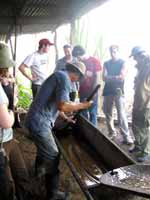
(122, 74)
(23, 69)
(11, 79)
(62, 95)
(65, 117)
(120, 77)
(73, 106)
(7, 80)
(107, 77)
(6, 117)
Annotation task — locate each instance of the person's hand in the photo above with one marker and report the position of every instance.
(70, 119)
(87, 104)
(4, 81)
(11, 113)
(34, 77)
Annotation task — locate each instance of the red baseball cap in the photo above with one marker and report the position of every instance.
(45, 42)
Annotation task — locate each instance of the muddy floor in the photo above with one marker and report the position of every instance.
(67, 181)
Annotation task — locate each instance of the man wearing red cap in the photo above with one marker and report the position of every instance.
(38, 64)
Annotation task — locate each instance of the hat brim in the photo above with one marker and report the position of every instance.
(7, 63)
(51, 44)
(73, 66)
(140, 52)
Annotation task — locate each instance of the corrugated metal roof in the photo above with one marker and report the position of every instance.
(32, 16)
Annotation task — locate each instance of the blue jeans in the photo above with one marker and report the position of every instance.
(46, 146)
(47, 160)
(47, 151)
(91, 113)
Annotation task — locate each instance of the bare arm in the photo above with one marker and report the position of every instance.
(7, 80)
(68, 118)
(104, 74)
(121, 76)
(11, 79)
(23, 69)
(72, 106)
(122, 73)
(6, 117)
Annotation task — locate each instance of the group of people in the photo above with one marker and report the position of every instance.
(75, 74)
(51, 97)
(38, 64)
(114, 73)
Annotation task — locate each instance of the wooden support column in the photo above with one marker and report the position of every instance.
(55, 45)
(72, 32)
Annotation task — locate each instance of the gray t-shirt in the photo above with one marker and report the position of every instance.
(6, 134)
(61, 65)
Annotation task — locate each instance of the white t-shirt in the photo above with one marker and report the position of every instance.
(7, 132)
(38, 64)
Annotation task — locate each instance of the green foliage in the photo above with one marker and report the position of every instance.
(81, 32)
(100, 50)
(93, 42)
(24, 97)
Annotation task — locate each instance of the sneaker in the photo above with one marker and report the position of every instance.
(59, 195)
(144, 158)
(134, 149)
(112, 135)
(128, 141)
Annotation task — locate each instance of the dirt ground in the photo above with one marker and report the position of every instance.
(67, 181)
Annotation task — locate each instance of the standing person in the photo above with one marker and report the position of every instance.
(38, 64)
(61, 65)
(90, 80)
(14, 181)
(113, 75)
(141, 105)
(52, 98)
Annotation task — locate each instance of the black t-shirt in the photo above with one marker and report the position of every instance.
(113, 68)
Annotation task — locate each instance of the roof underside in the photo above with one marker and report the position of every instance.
(30, 16)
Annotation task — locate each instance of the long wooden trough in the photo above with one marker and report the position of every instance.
(90, 154)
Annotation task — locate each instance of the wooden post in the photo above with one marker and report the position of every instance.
(72, 33)
(55, 45)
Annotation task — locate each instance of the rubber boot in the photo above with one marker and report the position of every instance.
(40, 167)
(52, 183)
